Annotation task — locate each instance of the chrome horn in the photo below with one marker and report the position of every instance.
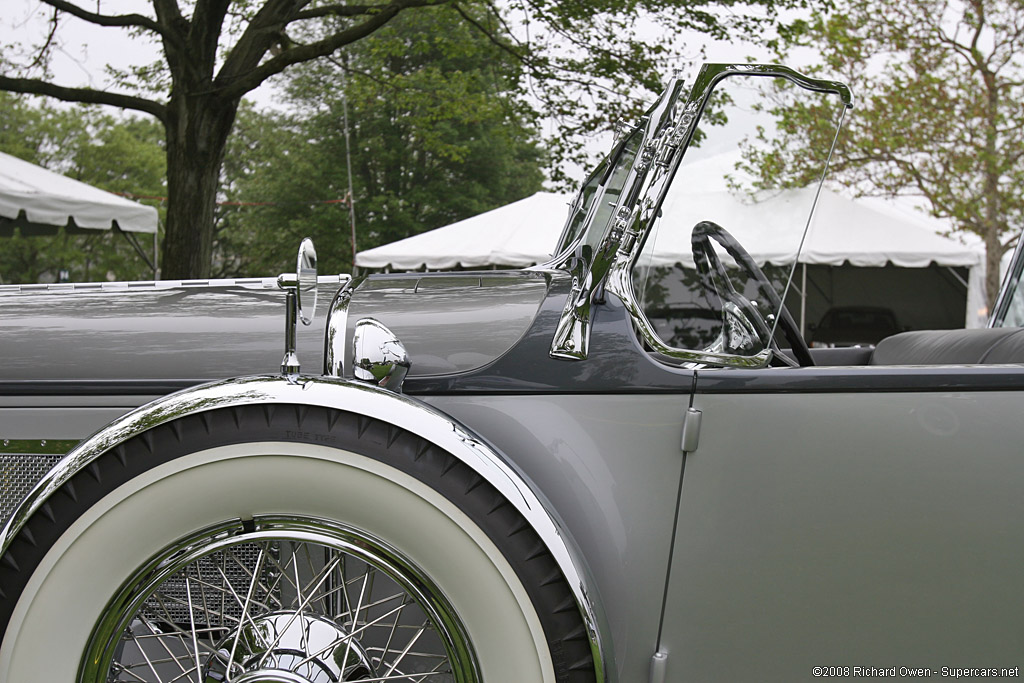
(301, 302)
(378, 356)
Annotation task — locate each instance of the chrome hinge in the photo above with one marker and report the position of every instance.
(691, 430)
(659, 666)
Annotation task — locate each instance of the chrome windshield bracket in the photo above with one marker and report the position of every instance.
(335, 348)
(589, 270)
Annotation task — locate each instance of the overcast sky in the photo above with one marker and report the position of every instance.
(84, 50)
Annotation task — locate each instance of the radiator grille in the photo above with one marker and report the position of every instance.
(232, 571)
(18, 474)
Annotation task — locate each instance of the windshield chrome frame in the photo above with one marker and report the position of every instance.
(667, 135)
(1008, 290)
(572, 335)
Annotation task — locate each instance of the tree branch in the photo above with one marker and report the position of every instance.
(491, 37)
(238, 86)
(32, 86)
(168, 12)
(549, 71)
(265, 29)
(122, 20)
(176, 28)
(496, 13)
(54, 23)
(203, 36)
(338, 11)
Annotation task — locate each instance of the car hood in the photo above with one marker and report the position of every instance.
(196, 330)
(449, 322)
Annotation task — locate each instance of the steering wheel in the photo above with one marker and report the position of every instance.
(708, 265)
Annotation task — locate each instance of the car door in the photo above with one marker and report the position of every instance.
(877, 525)
(832, 521)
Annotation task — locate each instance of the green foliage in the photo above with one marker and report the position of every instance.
(118, 155)
(593, 63)
(938, 116)
(437, 134)
(586, 64)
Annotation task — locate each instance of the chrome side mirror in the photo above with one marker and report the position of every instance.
(378, 356)
(305, 271)
(301, 301)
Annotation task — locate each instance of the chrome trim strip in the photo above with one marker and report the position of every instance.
(136, 285)
(148, 388)
(399, 410)
(36, 446)
(336, 327)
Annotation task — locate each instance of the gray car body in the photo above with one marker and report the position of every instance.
(850, 514)
(830, 514)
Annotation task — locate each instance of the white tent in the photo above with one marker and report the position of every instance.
(39, 201)
(864, 233)
(518, 234)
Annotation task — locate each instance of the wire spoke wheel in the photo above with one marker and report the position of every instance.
(279, 600)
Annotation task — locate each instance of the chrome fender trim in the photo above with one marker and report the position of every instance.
(402, 411)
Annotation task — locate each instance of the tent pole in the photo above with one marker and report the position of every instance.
(956, 276)
(803, 300)
(156, 254)
(135, 245)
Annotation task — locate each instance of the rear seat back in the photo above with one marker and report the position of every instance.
(999, 345)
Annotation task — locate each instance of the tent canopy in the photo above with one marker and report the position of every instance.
(863, 232)
(518, 234)
(39, 201)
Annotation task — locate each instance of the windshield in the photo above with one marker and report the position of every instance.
(714, 263)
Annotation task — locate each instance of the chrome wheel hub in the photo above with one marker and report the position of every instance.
(290, 647)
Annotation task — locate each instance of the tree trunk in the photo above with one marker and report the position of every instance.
(993, 255)
(196, 138)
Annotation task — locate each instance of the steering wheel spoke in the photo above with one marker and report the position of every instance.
(712, 272)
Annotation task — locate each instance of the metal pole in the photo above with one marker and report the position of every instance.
(803, 300)
(348, 158)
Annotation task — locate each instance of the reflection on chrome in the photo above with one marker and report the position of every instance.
(300, 304)
(378, 356)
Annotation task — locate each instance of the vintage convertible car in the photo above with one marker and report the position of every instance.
(622, 465)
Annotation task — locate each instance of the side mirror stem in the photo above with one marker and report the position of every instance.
(300, 303)
(290, 363)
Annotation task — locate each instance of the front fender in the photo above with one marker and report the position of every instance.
(401, 411)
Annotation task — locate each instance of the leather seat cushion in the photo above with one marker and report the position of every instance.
(951, 347)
